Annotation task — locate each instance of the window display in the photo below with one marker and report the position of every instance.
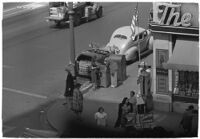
(188, 84)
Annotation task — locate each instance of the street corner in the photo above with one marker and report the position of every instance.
(59, 114)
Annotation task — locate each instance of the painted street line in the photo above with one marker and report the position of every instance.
(23, 8)
(24, 93)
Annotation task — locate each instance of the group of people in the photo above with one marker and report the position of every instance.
(126, 107)
(74, 97)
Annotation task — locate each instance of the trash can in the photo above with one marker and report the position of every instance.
(120, 60)
(105, 80)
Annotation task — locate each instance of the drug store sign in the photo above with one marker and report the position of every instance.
(170, 14)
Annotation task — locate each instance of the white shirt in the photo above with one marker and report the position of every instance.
(100, 118)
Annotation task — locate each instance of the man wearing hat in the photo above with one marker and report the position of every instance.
(187, 118)
(69, 87)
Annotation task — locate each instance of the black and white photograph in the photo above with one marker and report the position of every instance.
(100, 69)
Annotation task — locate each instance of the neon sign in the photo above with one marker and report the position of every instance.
(171, 17)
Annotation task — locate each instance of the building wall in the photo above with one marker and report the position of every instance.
(162, 42)
(165, 41)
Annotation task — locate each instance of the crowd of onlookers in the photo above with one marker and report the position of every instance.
(128, 109)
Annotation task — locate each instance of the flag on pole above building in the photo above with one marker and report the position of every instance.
(134, 22)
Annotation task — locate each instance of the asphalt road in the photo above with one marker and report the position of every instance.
(35, 54)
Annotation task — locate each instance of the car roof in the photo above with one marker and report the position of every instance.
(126, 30)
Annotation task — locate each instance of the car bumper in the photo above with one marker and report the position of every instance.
(54, 18)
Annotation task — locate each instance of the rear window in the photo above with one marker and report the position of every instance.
(119, 36)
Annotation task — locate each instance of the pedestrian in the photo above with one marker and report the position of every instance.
(77, 101)
(140, 104)
(95, 74)
(69, 88)
(187, 118)
(101, 117)
(124, 108)
(133, 101)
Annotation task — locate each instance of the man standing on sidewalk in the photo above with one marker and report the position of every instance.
(186, 121)
(69, 88)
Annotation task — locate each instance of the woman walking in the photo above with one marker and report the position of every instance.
(69, 88)
(77, 101)
(124, 108)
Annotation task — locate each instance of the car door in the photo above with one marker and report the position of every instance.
(143, 40)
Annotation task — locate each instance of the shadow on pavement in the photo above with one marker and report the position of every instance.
(78, 129)
(33, 119)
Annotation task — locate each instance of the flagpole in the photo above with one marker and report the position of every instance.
(137, 23)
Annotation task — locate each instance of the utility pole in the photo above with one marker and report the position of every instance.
(72, 40)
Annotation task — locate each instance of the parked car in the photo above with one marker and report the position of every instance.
(123, 42)
(58, 12)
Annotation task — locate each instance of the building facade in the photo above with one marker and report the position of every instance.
(175, 29)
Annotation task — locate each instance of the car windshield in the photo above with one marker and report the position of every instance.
(119, 36)
(56, 4)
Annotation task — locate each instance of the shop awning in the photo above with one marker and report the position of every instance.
(185, 56)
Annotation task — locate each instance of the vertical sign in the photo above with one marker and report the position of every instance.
(161, 73)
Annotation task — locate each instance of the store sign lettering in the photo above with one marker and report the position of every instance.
(172, 17)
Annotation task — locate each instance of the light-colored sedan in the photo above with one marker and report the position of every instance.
(122, 42)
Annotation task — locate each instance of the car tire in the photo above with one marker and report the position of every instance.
(58, 23)
(99, 13)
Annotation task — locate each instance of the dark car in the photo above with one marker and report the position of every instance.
(58, 12)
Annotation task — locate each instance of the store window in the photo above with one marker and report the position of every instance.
(188, 84)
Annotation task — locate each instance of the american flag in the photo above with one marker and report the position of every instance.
(134, 21)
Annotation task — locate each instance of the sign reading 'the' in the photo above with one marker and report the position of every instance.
(168, 15)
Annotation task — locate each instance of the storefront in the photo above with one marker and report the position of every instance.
(175, 29)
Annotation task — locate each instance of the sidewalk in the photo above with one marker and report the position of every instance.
(59, 116)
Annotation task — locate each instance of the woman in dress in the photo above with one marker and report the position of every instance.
(124, 108)
(101, 117)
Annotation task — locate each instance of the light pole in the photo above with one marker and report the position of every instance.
(72, 40)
